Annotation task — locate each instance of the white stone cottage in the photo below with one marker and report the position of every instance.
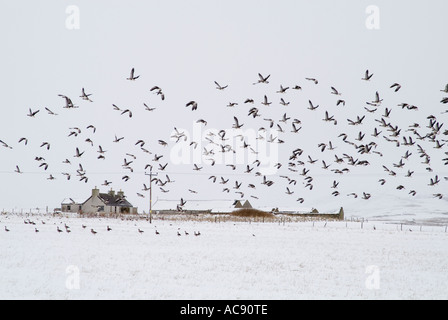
(108, 203)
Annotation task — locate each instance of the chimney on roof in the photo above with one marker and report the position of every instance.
(95, 192)
(120, 194)
(112, 192)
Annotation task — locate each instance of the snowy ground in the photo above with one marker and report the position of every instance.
(231, 260)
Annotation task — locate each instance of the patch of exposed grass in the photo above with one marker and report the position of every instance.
(252, 213)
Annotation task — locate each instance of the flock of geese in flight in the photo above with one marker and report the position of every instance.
(418, 139)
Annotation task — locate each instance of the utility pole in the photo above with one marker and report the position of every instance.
(150, 192)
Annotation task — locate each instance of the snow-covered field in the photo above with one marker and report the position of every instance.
(229, 260)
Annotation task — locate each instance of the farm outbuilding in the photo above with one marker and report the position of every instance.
(71, 205)
(199, 206)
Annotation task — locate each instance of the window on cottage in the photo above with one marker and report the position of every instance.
(101, 208)
(69, 208)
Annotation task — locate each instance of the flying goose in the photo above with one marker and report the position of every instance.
(434, 181)
(377, 100)
(265, 101)
(335, 92)
(78, 153)
(45, 144)
(196, 168)
(129, 112)
(397, 86)
(68, 102)
(262, 79)
(32, 114)
(148, 108)
(219, 87)
(283, 103)
(193, 104)
(132, 77)
(85, 96)
(282, 89)
(367, 76)
(313, 80)
(312, 107)
(4, 144)
(340, 101)
(237, 125)
(158, 92)
(50, 112)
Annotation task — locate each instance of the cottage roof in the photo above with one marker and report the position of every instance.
(113, 200)
(71, 201)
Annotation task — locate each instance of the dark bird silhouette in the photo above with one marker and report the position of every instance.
(32, 114)
(262, 79)
(68, 102)
(85, 96)
(282, 89)
(335, 92)
(50, 112)
(396, 86)
(265, 101)
(313, 80)
(367, 76)
(219, 87)
(312, 107)
(193, 104)
(132, 77)
(129, 112)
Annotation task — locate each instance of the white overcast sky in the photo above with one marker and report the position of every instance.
(183, 46)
